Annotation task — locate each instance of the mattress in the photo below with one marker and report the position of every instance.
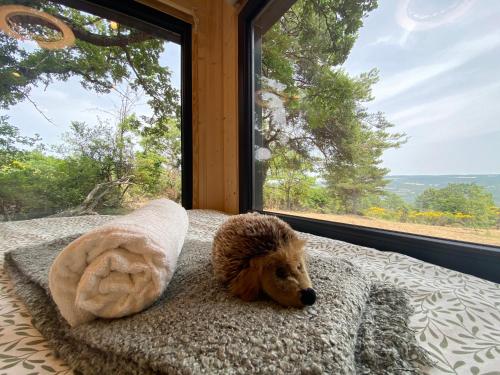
(457, 316)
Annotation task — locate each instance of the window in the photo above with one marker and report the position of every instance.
(375, 123)
(95, 108)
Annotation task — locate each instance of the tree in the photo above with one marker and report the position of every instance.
(311, 106)
(157, 168)
(107, 147)
(319, 199)
(94, 168)
(289, 180)
(38, 185)
(469, 199)
(12, 143)
(95, 165)
(387, 200)
(351, 140)
(104, 56)
(164, 141)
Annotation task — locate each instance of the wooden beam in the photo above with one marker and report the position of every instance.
(215, 122)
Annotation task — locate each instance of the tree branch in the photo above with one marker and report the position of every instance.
(38, 109)
(135, 36)
(143, 83)
(94, 198)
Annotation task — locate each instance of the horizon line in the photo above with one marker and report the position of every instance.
(448, 174)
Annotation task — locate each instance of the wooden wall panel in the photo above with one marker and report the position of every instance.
(230, 107)
(215, 122)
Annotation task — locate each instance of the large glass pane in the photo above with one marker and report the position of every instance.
(90, 111)
(381, 115)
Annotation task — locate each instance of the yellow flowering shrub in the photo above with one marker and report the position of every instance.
(421, 217)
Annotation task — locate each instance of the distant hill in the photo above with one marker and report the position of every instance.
(409, 187)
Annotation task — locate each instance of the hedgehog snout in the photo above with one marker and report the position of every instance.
(308, 296)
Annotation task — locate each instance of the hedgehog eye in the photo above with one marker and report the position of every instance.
(299, 267)
(281, 272)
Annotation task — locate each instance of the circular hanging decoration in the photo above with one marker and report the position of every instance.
(262, 153)
(425, 15)
(16, 18)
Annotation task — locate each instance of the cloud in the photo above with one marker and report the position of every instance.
(421, 117)
(386, 39)
(451, 58)
(391, 40)
(450, 117)
(440, 88)
(475, 47)
(403, 81)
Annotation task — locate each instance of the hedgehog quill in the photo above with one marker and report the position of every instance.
(256, 254)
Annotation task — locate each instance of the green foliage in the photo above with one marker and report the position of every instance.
(387, 200)
(318, 199)
(157, 166)
(39, 185)
(312, 34)
(12, 142)
(102, 58)
(34, 184)
(289, 179)
(106, 57)
(101, 144)
(153, 179)
(467, 199)
(324, 106)
(165, 141)
(316, 125)
(421, 217)
(467, 205)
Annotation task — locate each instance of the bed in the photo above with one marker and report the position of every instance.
(457, 316)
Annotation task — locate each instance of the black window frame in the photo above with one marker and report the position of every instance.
(171, 29)
(471, 258)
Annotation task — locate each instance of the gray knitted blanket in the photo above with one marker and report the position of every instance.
(196, 327)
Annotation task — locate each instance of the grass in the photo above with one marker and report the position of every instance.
(481, 236)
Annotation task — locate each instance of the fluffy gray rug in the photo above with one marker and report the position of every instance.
(356, 326)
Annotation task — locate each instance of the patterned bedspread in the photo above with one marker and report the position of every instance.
(457, 316)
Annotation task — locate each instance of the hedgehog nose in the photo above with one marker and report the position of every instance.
(308, 296)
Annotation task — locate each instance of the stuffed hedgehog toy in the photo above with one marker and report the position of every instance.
(255, 253)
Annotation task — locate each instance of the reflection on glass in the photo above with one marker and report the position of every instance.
(381, 115)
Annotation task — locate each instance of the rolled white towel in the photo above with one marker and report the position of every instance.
(121, 267)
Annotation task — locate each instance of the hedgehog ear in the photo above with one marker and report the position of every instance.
(300, 242)
(246, 284)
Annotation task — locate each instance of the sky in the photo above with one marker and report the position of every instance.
(439, 69)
